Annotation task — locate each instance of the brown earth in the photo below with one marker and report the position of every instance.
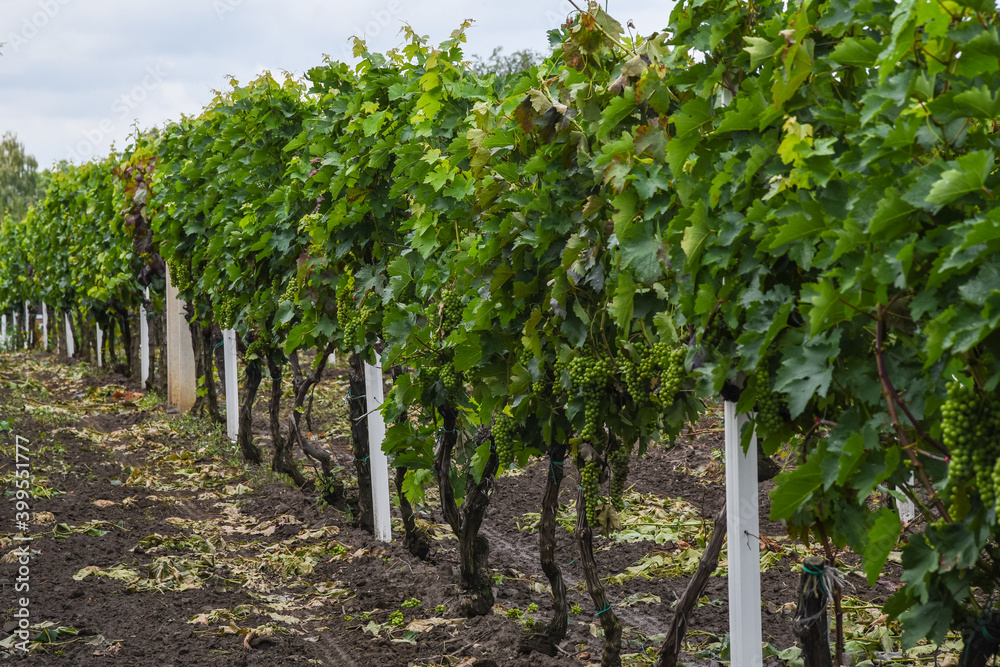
(99, 434)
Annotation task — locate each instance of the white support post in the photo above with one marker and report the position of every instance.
(907, 510)
(70, 343)
(743, 524)
(3, 331)
(232, 387)
(100, 346)
(378, 461)
(14, 316)
(27, 327)
(182, 382)
(143, 342)
(45, 328)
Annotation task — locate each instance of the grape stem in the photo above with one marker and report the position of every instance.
(913, 420)
(884, 377)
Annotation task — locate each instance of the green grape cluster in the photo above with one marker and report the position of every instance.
(988, 449)
(590, 480)
(714, 335)
(958, 419)
(636, 385)
(539, 390)
(650, 359)
(769, 403)
(671, 376)
(180, 274)
(971, 431)
(428, 376)
(291, 292)
(355, 327)
(619, 460)
(256, 347)
(591, 376)
(503, 438)
(451, 310)
(450, 378)
(225, 312)
(353, 322)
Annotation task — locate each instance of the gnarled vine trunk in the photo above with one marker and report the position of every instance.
(696, 586)
(611, 656)
(547, 639)
(476, 597)
(250, 450)
(357, 409)
(302, 384)
(283, 462)
(415, 539)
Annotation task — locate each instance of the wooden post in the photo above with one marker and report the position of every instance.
(45, 328)
(182, 383)
(379, 462)
(810, 623)
(28, 327)
(143, 342)
(743, 523)
(232, 389)
(100, 346)
(70, 343)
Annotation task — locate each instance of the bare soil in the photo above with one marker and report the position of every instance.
(295, 580)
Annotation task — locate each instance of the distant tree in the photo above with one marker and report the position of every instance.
(18, 177)
(501, 65)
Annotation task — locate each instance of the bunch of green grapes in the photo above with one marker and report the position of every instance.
(256, 348)
(996, 483)
(591, 377)
(353, 322)
(197, 271)
(988, 449)
(636, 384)
(671, 376)
(428, 376)
(769, 403)
(619, 460)
(291, 292)
(715, 334)
(451, 310)
(959, 416)
(225, 312)
(590, 480)
(180, 274)
(971, 428)
(450, 377)
(503, 439)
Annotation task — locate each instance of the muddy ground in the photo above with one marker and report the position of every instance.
(153, 545)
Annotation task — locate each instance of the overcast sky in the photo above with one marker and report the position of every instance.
(75, 75)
